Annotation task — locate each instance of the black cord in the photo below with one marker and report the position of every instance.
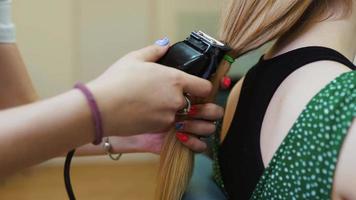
(67, 182)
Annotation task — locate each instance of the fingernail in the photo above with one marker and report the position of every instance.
(193, 111)
(162, 42)
(182, 137)
(226, 82)
(179, 125)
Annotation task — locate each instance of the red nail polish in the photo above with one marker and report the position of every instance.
(193, 111)
(226, 82)
(182, 137)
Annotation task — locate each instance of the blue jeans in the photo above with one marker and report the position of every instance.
(202, 185)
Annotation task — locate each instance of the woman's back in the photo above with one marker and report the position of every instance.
(305, 164)
(263, 106)
(288, 103)
(290, 99)
(274, 93)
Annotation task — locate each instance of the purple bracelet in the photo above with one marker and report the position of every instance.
(95, 112)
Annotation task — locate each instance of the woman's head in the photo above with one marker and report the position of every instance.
(248, 24)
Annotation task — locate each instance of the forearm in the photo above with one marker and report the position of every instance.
(37, 132)
(132, 144)
(15, 84)
(89, 150)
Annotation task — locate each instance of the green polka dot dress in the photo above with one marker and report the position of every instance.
(304, 165)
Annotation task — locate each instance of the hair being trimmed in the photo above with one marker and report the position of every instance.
(247, 25)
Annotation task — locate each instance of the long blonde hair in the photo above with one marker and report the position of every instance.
(247, 25)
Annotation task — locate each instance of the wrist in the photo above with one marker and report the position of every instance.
(142, 143)
(81, 117)
(95, 112)
(7, 28)
(125, 144)
(109, 104)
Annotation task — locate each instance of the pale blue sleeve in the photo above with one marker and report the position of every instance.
(7, 28)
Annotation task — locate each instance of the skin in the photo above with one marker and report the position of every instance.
(299, 88)
(31, 133)
(152, 142)
(15, 85)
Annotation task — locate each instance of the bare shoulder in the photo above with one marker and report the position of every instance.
(308, 81)
(299, 88)
(303, 84)
(345, 177)
(317, 74)
(290, 99)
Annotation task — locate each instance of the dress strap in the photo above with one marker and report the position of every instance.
(306, 55)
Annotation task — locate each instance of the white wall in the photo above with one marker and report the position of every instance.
(45, 37)
(63, 41)
(109, 30)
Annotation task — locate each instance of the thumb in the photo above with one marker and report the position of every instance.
(154, 52)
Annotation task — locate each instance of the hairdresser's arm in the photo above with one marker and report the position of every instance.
(37, 132)
(15, 85)
(200, 125)
(127, 98)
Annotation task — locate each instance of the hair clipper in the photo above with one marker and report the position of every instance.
(199, 55)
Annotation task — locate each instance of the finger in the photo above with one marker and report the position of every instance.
(184, 102)
(225, 82)
(208, 111)
(196, 127)
(196, 86)
(192, 142)
(151, 53)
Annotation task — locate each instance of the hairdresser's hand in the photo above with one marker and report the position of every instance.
(137, 96)
(200, 125)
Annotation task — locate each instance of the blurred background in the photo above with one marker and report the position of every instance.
(63, 41)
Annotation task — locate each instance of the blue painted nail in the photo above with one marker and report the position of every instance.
(179, 125)
(162, 42)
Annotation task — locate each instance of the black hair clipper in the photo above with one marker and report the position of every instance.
(199, 55)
